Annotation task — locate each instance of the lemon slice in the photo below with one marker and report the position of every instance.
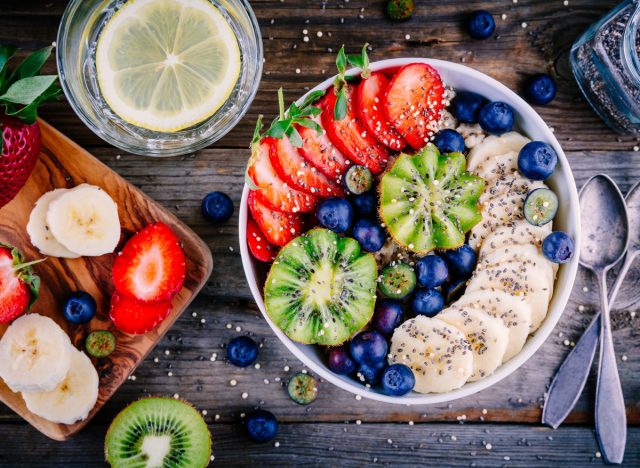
(166, 65)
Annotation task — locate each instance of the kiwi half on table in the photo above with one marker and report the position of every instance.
(158, 433)
(321, 288)
(429, 201)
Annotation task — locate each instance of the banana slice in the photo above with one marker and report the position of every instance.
(519, 280)
(525, 254)
(34, 354)
(494, 145)
(73, 399)
(85, 220)
(514, 312)
(497, 211)
(439, 354)
(510, 184)
(520, 232)
(40, 233)
(496, 167)
(487, 335)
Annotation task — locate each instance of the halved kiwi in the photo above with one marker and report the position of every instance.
(157, 433)
(428, 200)
(321, 288)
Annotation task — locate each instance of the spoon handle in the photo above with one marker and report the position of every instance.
(611, 419)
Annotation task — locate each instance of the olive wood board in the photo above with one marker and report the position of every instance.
(64, 164)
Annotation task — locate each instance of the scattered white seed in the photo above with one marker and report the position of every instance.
(276, 444)
(585, 289)
(194, 314)
(389, 441)
(566, 3)
(245, 395)
(298, 71)
(204, 412)
(229, 326)
(567, 342)
(217, 417)
(484, 410)
(454, 438)
(581, 308)
(488, 446)
(506, 458)
(238, 329)
(358, 397)
(167, 352)
(169, 374)
(503, 16)
(212, 457)
(407, 37)
(598, 455)
(524, 25)
(410, 423)
(624, 357)
(636, 148)
(266, 381)
(155, 359)
(257, 365)
(358, 422)
(305, 38)
(319, 34)
(233, 382)
(203, 320)
(176, 396)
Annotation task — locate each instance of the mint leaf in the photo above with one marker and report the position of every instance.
(311, 98)
(341, 61)
(279, 128)
(31, 65)
(312, 124)
(355, 60)
(6, 52)
(340, 109)
(28, 90)
(29, 114)
(294, 137)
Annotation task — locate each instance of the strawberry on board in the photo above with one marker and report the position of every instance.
(279, 228)
(136, 317)
(370, 106)
(297, 172)
(321, 153)
(414, 101)
(259, 246)
(350, 136)
(151, 266)
(18, 284)
(274, 190)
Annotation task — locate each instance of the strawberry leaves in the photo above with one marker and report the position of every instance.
(285, 124)
(342, 60)
(24, 272)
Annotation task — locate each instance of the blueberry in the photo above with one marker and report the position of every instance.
(365, 204)
(261, 425)
(537, 160)
(340, 361)
(369, 234)
(481, 24)
(540, 89)
(466, 106)
(242, 351)
(80, 307)
(217, 207)
(427, 302)
(454, 290)
(558, 247)
(449, 141)
(461, 261)
(371, 373)
(369, 347)
(432, 271)
(358, 179)
(387, 316)
(496, 118)
(335, 214)
(398, 380)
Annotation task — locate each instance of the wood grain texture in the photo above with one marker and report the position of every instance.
(63, 164)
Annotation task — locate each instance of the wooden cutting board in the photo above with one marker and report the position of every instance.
(64, 164)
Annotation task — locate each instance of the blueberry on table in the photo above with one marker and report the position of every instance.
(537, 160)
(303, 388)
(398, 380)
(397, 280)
(340, 361)
(540, 89)
(358, 179)
(400, 10)
(449, 141)
(369, 348)
(461, 261)
(558, 247)
(100, 343)
(481, 24)
(496, 118)
(371, 373)
(335, 214)
(261, 426)
(432, 271)
(387, 316)
(427, 302)
(365, 204)
(217, 207)
(466, 106)
(80, 307)
(369, 234)
(242, 351)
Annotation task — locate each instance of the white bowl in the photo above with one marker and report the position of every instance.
(531, 124)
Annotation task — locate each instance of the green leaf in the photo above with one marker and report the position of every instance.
(28, 90)
(311, 110)
(256, 131)
(293, 111)
(6, 52)
(29, 114)
(294, 137)
(351, 78)
(312, 124)
(281, 103)
(279, 129)
(31, 65)
(311, 98)
(355, 60)
(366, 73)
(341, 61)
(340, 109)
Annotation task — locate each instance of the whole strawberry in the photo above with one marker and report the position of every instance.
(21, 92)
(18, 284)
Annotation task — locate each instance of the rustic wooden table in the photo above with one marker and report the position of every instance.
(499, 426)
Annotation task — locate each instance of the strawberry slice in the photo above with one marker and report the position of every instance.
(279, 228)
(294, 169)
(151, 266)
(321, 154)
(18, 284)
(276, 193)
(414, 101)
(260, 247)
(350, 137)
(371, 108)
(136, 317)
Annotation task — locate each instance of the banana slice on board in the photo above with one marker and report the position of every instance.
(494, 145)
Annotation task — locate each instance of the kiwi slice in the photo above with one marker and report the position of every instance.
(540, 206)
(397, 280)
(428, 200)
(158, 432)
(321, 288)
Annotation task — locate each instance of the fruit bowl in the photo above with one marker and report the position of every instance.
(562, 182)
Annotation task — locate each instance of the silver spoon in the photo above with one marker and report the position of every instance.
(569, 381)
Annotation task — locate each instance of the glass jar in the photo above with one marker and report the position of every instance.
(606, 65)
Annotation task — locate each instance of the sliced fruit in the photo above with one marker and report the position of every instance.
(540, 206)
(73, 399)
(158, 432)
(519, 232)
(358, 179)
(496, 212)
(321, 153)
(438, 353)
(509, 185)
(371, 92)
(35, 354)
(349, 135)
(495, 145)
(298, 173)
(85, 221)
(413, 102)
(321, 288)
(40, 233)
(100, 343)
(487, 335)
(429, 201)
(168, 65)
(136, 317)
(260, 247)
(497, 167)
(278, 228)
(303, 388)
(151, 267)
(526, 254)
(19, 285)
(397, 280)
(273, 191)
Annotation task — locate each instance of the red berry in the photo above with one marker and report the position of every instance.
(322, 154)
(279, 228)
(136, 317)
(259, 246)
(18, 287)
(20, 151)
